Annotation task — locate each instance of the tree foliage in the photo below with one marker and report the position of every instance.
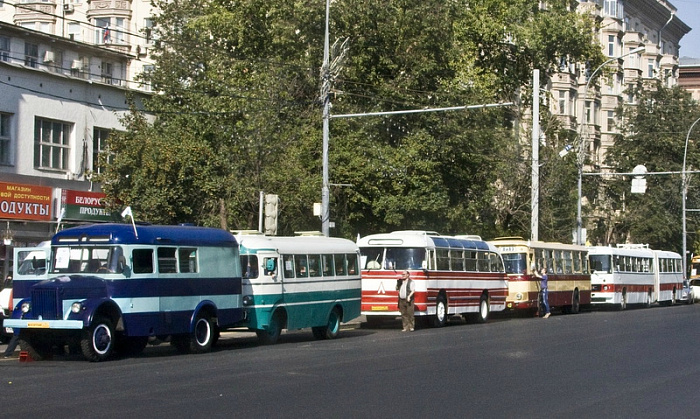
(654, 136)
(237, 111)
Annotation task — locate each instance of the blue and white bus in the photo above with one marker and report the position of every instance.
(112, 286)
(299, 282)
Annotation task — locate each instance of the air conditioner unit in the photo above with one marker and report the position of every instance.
(49, 57)
(76, 65)
(68, 8)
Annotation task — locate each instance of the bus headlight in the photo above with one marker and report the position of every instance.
(519, 296)
(76, 307)
(26, 307)
(248, 300)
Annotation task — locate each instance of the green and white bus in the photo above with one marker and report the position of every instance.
(299, 282)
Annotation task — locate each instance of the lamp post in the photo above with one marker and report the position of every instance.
(581, 156)
(684, 188)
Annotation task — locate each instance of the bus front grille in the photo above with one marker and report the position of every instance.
(45, 304)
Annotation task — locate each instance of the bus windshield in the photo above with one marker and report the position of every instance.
(76, 259)
(600, 263)
(515, 263)
(393, 258)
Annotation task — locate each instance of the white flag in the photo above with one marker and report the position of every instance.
(127, 213)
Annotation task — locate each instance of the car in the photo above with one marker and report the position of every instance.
(694, 286)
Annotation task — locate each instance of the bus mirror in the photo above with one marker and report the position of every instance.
(126, 271)
(270, 265)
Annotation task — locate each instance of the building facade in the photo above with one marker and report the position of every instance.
(641, 39)
(67, 72)
(689, 76)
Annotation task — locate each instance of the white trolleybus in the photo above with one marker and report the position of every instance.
(299, 282)
(568, 278)
(453, 275)
(635, 274)
(107, 288)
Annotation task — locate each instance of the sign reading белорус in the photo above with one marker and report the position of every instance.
(25, 202)
(87, 206)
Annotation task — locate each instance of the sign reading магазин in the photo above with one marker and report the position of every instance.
(80, 205)
(25, 202)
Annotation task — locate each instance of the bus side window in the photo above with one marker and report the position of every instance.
(340, 265)
(142, 261)
(167, 264)
(301, 265)
(187, 258)
(249, 264)
(314, 265)
(352, 263)
(288, 261)
(328, 267)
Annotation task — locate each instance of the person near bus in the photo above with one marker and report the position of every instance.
(542, 275)
(406, 288)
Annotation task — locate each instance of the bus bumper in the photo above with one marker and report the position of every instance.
(44, 324)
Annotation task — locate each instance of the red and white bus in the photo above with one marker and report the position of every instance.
(635, 274)
(453, 275)
(568, 278)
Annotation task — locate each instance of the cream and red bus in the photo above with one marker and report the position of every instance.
(635, 274)
(453, 275)
(569, 281)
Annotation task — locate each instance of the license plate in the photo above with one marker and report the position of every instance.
(380, 308)
(38, 325)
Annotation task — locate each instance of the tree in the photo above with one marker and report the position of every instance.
(654, 135)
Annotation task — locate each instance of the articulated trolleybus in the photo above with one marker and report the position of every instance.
(112, 286)
(635, 274)
(298, 282)
(568, 278)
(453, 275)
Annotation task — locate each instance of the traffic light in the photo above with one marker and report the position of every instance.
(271, 210)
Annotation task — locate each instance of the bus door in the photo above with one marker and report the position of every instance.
(262, 279)
(30, 265)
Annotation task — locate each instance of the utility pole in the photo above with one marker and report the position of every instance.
(535, 190)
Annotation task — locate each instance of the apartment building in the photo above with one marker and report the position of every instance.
(66, 68)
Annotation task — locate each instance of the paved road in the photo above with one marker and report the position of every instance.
(637, 363)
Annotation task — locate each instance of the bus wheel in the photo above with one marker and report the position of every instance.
(575, 303)
(647, 304)
(271, 334)
(37, 349)
(203, 334)
(97, 343)
(329, 331)
(440, 311)
(673, 298)
(484, 309)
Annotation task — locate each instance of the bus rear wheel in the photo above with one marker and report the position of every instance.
(575, 303)
(623, 302)
(484, 310)
(331, 329)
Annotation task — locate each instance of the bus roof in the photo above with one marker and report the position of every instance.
(180, 235)
(519, 241)
(295, 244)
(417, 238)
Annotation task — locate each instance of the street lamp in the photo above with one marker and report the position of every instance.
(685, 192)
(581, 156)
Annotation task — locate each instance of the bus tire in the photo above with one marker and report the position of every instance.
(37, 349)
(484, 309)
(575, 303)
(271, 334)
(440, 318)
(202, 336)
(673, 298)
(97, 342)
(331, 329)
(647, 303)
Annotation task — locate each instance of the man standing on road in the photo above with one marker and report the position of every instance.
(542, 275)
(406, 289)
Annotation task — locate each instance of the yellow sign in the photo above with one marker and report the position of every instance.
(38, 325)
(380, 308)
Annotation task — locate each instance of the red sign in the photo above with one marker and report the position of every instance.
(80, 205)
(25, 202)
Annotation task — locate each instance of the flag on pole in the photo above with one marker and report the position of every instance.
(127, 213)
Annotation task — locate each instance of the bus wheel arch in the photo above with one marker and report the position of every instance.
(440, 318)
(332, 327)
